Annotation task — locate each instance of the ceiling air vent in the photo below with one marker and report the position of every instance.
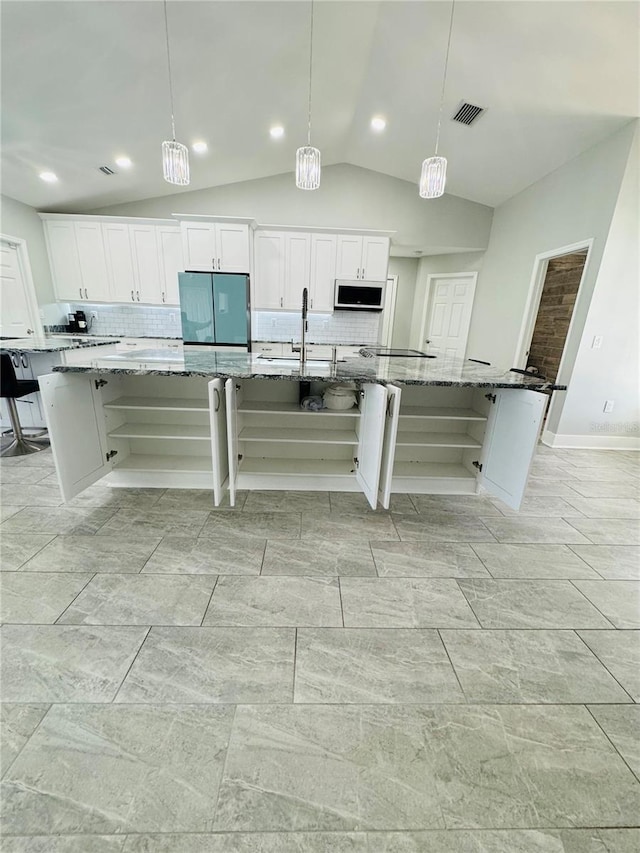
(467, 113)
(106, 170)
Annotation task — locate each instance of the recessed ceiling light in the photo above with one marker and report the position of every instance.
(277, 131)
(200, 147)
(378, 123)
(49, 177)
(123, 162)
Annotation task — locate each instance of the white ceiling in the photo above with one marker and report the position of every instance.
(85, 81)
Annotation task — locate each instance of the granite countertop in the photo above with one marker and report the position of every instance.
(403, 371)
(54, 343)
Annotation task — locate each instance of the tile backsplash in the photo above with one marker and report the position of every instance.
(134, 321)
(341, 327)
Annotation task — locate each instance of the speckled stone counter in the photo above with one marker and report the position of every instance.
(54, 343)
(402, 371)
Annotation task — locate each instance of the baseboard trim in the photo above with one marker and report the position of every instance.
(591, 442)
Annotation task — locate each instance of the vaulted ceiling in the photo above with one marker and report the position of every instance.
(86, 81)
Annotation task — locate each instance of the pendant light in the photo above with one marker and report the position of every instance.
(308, 157)
(175, 155)
(434, 169)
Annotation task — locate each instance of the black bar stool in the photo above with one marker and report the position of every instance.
(12, 389)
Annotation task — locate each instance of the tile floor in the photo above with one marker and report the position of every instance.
(301, 675)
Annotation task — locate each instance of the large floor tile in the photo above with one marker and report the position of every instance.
(337, 525)
(118, 768)
(613, 562)
(64, 844)
(57, 520)
(446, 527)
(251, 842)
(607, 507)
(37, 598)
(621, 725)
(22, 474)
(365, 665)
(177, 555)
(525, 529)
(545, 487)
(192, 665)
(141, 600)
(321, 557)
(41, 459)
(529, 667)
(17, 548)
(181, 500)
(609, 531)
(155, 522)
(260, 525)
(542, 506)
(30, 495)
(276, 501)
(120, 554)
(100, 495)
(600, 840)
(64, 663)
(506, 841)
(427, 559)
(533, 561)
(619, 651)
(275, 601)
(526, 766)
(356, 503)
(618, 600)
(530, 604)
(603, 474)
(605, 489)
(467, 505)
(7, 511)
(405, 603)
(314, 767)
(17, 724)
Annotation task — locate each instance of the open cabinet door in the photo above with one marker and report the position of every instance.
(513, 428)
(371, 436)
(389, 444)
(219, 449)
(73, 411)
(232, 437)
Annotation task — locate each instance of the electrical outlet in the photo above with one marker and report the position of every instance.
(94, 315)
(608, 407)
(172, 317)
(597, 342)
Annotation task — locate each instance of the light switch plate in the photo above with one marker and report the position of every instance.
(608, 406)
(597, 342)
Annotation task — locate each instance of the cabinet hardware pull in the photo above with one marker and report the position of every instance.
(312, 301)
(216, 408)
(138, 295)
(281, 303)
(133, 299)
(80, 292)
(86, 295)
(213, 263)
(163, 297)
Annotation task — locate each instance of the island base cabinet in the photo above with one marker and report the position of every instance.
(128, 431)
(273, 444)
(457, 441)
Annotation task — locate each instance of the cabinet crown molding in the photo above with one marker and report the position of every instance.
(325, 229)
(87, 217)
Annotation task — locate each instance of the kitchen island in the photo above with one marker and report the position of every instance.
(228, 421)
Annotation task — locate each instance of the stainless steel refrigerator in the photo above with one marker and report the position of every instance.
(215, 310)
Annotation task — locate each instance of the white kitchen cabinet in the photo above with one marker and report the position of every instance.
(146, 263)
(269, 276)
(93, 262)
(28, 366)
(323, 272)
(268, 348)
(362, 257)
(297, 263)
(64, 260)
(171, 262)
(216, 246)
(117, 242)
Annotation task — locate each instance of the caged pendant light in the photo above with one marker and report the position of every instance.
(308, 163)
(175, 155)
(434, 169)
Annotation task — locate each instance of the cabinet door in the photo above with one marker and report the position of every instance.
(297, 261)
(65, 264)
(323, 272)
(349, 257)
(219, 449)
(93, 261)
(389, 444)
(269, 271)
(232, 247)
(513, 428)
(370, 440)
(171, 262)
(119, 261)
(375, 258)
(73, 410)
(232, 436)
(199, 245)
(146, 266)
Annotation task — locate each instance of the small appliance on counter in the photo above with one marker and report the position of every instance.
(77, 322)
(215, 310)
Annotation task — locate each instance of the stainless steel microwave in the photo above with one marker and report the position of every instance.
(359, 295)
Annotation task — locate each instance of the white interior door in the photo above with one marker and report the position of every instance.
(389, 311)
(445, 326)
(389, 445)
(513, 428)
(371, 437)
(232, 436)
(15, 310)
(219, 449)
(73, 411)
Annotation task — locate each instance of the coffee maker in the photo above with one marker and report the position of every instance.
(77, 322)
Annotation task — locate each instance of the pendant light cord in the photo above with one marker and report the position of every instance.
(166, 32)
(310, 75)
(444, 76)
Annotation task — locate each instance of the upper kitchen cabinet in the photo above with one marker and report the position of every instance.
(216, 246)
(171, 262)
(78, 262)
(269, 278)
(362, 257)
(117, 243)
(146, 263)
(297, 263)
(323, 272)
